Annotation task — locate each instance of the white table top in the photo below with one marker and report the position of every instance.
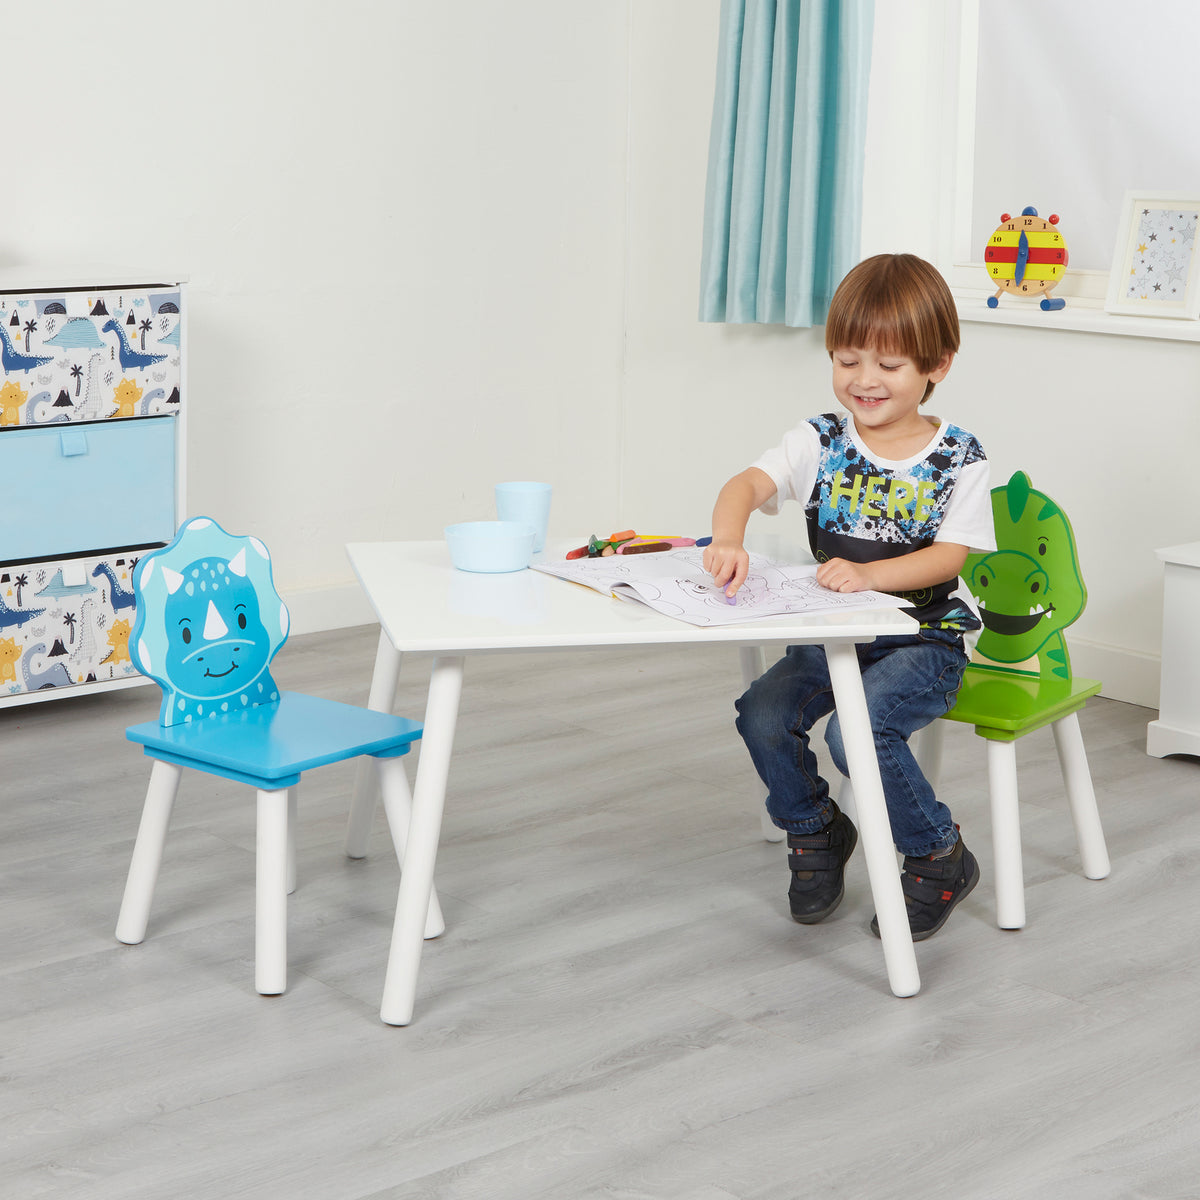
(424, 604)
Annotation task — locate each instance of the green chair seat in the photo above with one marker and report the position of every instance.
(1005, 704)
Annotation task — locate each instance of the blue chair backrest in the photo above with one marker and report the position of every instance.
(209, 622)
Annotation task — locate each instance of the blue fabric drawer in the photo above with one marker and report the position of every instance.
(67, 489)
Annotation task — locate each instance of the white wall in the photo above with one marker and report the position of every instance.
(433, 246)
(404, 229)
(701, 400)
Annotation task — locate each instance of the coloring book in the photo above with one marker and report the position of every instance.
(675, 583)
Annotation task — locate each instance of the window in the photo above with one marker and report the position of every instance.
(1064, 105)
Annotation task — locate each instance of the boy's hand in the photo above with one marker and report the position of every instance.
(728, 563)
(839, 575)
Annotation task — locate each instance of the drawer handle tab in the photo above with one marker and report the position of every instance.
(73, 442)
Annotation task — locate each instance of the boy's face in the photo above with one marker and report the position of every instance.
(883, 392)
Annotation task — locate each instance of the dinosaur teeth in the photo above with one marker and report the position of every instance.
(1036, 611)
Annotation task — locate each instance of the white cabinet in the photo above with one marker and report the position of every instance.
(1177, 730)
(92, 421)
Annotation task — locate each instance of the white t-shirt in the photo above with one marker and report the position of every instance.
(864, 508)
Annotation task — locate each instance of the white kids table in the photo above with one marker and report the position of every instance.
(425, 605)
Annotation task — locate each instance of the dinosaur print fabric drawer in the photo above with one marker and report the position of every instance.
(76, 489)
(87, 355)
(66, 622)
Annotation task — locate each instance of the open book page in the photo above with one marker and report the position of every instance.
(675, 583)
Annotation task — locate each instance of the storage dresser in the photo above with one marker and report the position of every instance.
(92, 436)
(1177, 728)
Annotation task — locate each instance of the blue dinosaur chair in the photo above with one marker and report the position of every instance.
(208, 624)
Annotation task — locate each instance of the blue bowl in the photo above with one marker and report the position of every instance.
(490, 546)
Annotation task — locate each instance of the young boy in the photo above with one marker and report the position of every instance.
(893, 500)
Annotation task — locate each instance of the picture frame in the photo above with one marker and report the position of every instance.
(1156, 263)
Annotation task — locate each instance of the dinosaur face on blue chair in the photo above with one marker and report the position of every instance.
(216, 642)
(209, 621)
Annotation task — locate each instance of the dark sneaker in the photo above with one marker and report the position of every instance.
(932, 887)
(817, 861)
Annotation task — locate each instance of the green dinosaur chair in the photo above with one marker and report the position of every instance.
(1029, 590)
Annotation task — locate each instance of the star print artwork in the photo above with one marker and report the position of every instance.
(1162, 254)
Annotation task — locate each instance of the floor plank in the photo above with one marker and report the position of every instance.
(620, 1007)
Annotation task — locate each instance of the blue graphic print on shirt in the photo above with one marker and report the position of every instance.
(855, 497)
(864, 512)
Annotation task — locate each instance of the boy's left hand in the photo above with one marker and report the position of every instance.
(839, 575)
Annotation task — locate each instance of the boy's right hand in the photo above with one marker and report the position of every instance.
(728, 563)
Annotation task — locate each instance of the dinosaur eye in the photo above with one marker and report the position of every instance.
(983, 581)
(1041, 547)
(241, 620)
(1033, 587)
(187, 636)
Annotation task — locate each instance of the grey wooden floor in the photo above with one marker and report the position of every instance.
(620, 1007)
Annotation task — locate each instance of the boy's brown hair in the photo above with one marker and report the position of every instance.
(895, 304)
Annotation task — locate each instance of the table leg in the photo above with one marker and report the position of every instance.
(874, 827)
(416, 874)
(753, 665)
(366, 780)
(397, 803)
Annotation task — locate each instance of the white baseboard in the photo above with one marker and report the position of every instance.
(1127, 674)
(314, 610)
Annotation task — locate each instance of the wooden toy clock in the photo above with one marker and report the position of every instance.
(1026, 256)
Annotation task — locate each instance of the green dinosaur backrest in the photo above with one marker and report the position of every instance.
(1029, 588)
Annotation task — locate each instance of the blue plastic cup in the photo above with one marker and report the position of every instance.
(490, 547)
(528, 503)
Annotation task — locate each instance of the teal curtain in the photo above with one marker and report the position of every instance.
(783, 203)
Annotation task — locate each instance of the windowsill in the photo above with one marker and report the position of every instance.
(1081, 316)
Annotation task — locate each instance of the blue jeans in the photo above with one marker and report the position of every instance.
(908, 681)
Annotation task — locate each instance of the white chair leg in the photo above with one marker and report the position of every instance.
(397, 805)
(845, 799)
(1072, 757)
(270, 909)
(148, 852)
(770, 831)
(293, 811)
(1006, 835)
(753, 664)
(381, 699)
(927, 749)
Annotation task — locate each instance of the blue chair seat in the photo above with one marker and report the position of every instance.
(270, 746)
